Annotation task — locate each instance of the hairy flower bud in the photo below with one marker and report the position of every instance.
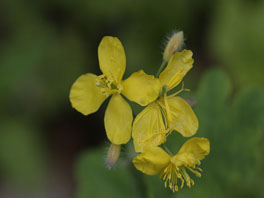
(112, 156)
(175, 43)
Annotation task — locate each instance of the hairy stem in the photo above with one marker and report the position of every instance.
(163, 64)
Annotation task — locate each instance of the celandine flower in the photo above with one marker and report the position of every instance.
(154, 160)
(89, 91)
(167, 113)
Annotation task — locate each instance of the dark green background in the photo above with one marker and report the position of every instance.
(47, 149)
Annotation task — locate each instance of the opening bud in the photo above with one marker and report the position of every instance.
(175, 43)
(112, 155)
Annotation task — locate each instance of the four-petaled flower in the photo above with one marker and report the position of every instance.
(154, 160)
(167, 113)
(89, 91)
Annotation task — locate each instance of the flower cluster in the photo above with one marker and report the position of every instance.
(163, 112)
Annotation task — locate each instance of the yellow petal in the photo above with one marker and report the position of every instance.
(118, 120)
(112, 58)
(179, 64)
(180, 116)
(152, 160)
(148, 128)
(85, 96)
(141, 88)
(199, 147)
(192, 151)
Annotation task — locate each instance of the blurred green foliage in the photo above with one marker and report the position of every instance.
(46, 45)
(237, 40)
(21, 154)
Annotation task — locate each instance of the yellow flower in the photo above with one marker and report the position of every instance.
(89, 91)
(154, 160)
(167, 113)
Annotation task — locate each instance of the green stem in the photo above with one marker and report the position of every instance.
(140, 183)
(163, 64)
(167, 149)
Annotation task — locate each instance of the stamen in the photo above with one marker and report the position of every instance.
(178, 92)
(194, 172)
(170, 175)
(182, 182)
(107, 86)
(201, 170)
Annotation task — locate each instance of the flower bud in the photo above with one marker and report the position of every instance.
(112, 156)
(175, 43)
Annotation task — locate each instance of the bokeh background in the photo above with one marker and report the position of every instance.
(47, 149)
